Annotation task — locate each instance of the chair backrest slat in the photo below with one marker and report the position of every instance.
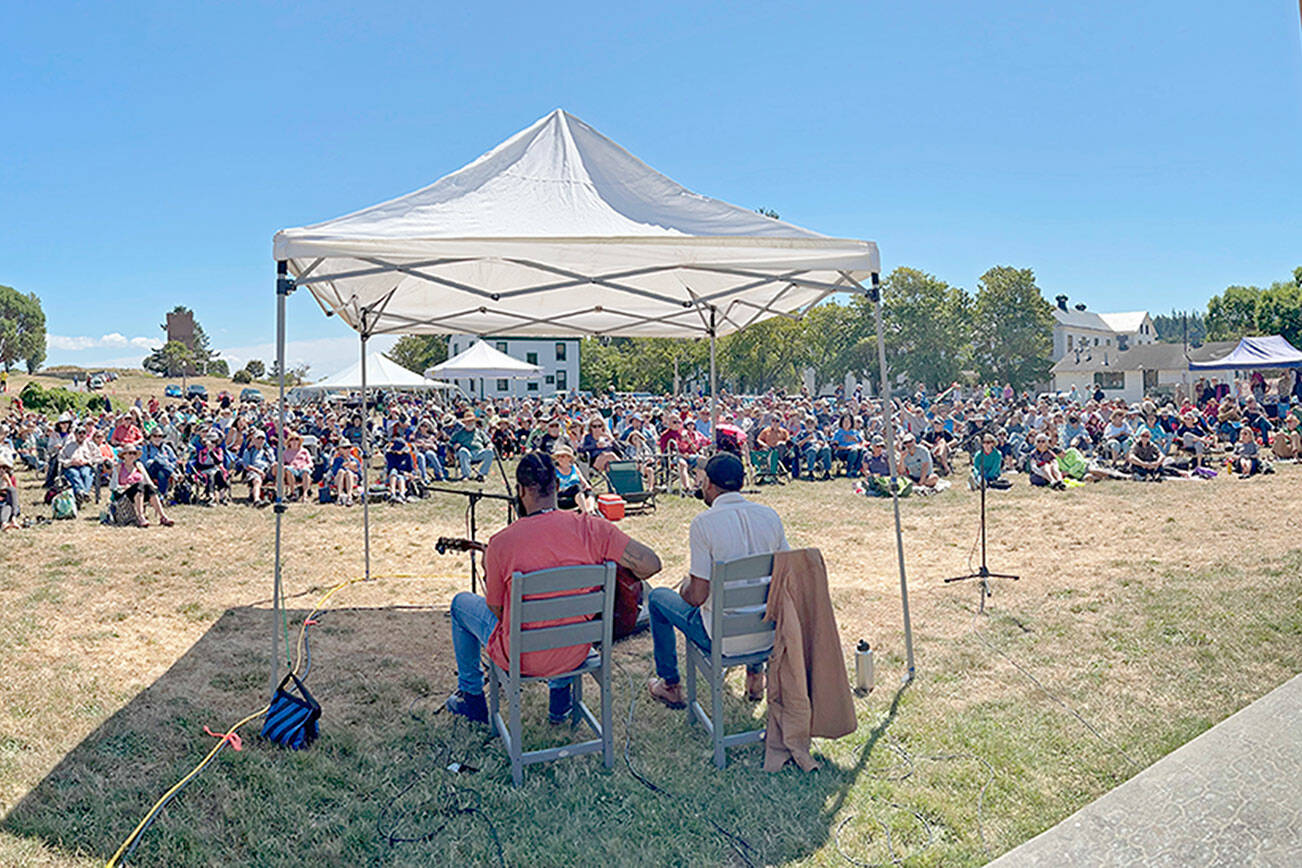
(559, 579)
(749, 567)
(543, 638)
(569, 606)
(738, 594)
(745, 624)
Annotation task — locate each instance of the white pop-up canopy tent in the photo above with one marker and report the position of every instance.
(482, 362)
(560, 232)
(382, 373)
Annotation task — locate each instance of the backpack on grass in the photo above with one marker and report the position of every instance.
(64, 505)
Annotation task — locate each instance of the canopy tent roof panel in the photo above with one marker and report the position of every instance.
(559, 231)
(1271, 351)
(481, 360)
(381, 373)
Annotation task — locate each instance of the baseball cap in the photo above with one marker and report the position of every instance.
(725, 470)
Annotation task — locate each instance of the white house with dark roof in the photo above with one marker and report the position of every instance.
(1076, 328)
(1137, 371)
(558, 358)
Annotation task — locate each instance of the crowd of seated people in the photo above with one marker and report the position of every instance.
(155, 455)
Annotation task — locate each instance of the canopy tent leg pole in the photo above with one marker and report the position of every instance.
(714, 384)
(890, 457)
(284, 286)
(366, 459)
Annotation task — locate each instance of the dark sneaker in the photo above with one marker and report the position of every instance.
(469, 705)
(559, 704)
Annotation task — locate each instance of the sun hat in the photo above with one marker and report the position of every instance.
(563, 449)
(214, 435)
(6, 459)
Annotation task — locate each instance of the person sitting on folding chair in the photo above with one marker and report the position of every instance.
(732, 527)
(541, 538)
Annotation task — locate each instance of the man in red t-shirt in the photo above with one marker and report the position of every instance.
(543, 537)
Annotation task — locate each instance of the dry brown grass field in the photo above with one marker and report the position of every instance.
(1151, 611)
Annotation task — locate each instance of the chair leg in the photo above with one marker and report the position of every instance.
(516, 749)
(607, 733)
(716, 712)
(576, 699)
(494, 691)
(690, 659)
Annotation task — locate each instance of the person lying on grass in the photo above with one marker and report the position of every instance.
(542, 537)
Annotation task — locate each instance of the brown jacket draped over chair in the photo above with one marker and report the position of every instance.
(808, 689)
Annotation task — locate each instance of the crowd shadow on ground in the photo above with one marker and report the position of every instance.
(376, 787)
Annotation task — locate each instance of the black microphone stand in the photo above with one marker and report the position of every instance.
(982, 575)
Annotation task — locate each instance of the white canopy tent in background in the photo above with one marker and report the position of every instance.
(560, 232)
(381, 373)
(483, 362)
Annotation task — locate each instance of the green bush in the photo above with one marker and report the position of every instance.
(34, 396)
(242, 376)
(95, 403)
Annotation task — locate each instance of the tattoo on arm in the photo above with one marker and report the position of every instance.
(640, 560)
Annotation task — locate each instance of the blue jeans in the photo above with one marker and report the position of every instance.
(483, 456)
(818, 456)
(428, 464)
(82, 479)
(161, 474)
(472, 623)
(853, 459)
(669, 610)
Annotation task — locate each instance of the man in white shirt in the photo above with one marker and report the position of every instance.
(733, 527)
(78, 458)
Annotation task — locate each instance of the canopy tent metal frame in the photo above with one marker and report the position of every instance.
(702, 309)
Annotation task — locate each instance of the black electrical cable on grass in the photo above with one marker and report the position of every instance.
(453, 802)
(158, 809)
(740, 845)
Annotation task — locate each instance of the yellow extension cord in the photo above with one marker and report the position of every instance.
(298, 659)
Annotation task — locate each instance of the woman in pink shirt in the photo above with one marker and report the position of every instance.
(131, 480)
(297, 464)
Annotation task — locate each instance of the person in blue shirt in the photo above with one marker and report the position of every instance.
(988, 465)
(255, 465)
(160, 461)
(847, 446)
(398, 468)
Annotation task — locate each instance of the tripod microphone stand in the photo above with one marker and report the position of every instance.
(982, 575)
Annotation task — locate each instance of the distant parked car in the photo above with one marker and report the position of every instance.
(173, 391)
(197, 391)
(253, 396)
(96, 382)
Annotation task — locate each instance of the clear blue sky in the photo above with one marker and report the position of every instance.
(1133, 154)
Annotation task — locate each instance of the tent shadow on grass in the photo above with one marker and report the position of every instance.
(377, 777)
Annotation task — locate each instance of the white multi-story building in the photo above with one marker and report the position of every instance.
(558, 358)
(1079, 329)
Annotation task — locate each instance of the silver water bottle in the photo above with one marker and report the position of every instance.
(863, 667)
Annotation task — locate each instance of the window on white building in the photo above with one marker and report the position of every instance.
(531, 387)
(560, 351)
(1110, 379)
(501, 385)
(531, 358)
(501, 346)
(561, 381)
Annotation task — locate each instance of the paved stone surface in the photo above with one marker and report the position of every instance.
(1232, 796)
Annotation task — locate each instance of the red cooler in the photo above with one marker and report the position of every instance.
(611, 506)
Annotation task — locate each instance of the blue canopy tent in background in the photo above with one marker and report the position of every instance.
(1271, 351)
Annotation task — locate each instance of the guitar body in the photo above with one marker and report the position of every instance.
(628, 587)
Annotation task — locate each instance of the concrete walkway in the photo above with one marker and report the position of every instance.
(1232, 796)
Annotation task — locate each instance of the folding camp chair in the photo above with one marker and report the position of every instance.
(595, 587)
(738, 597)
(625, 479)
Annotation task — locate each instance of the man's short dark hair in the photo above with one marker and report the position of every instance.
(536, 471)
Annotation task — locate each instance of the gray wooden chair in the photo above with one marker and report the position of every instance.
(597, 597)
(733, 586)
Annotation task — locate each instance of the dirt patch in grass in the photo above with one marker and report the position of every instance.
(1152, 611)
